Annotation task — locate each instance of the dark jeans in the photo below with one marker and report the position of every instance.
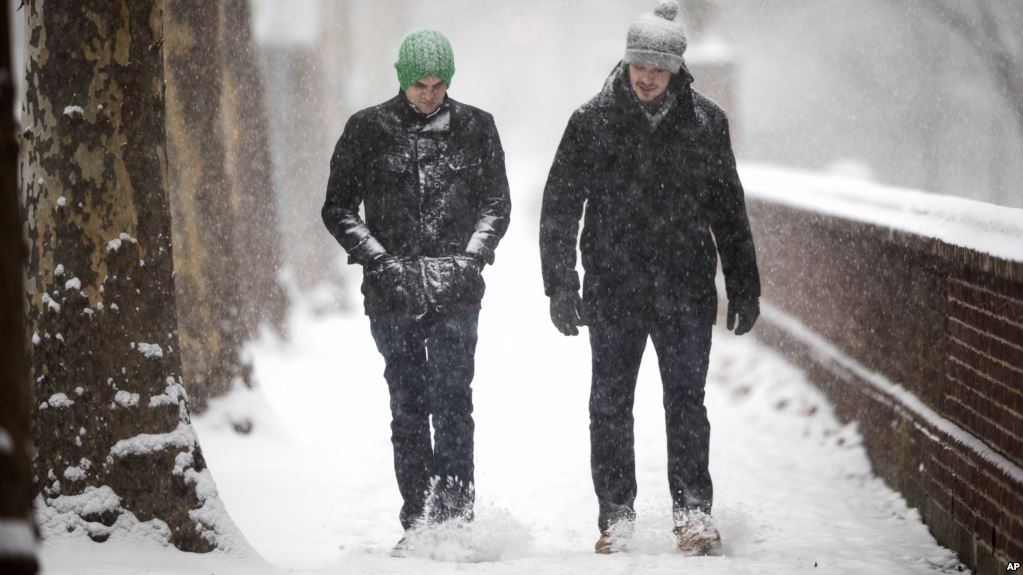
(429, 370)
(683, 350)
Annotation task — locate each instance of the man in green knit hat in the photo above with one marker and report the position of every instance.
(429, 173)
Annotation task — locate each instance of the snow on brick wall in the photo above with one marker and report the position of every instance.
(941, 328)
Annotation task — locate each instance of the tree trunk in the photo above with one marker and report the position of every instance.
(205, 266)
(117, 455)
(17, 526)
(250, 173)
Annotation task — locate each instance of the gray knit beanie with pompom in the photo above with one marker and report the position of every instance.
(656, 38)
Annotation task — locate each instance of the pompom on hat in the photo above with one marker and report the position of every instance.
(656, 38)
(422, 54)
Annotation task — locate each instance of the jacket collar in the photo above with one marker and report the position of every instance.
(408, 112)
(617, 91)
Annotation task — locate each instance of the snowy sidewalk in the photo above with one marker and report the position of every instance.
(316, 494)
(793, 489)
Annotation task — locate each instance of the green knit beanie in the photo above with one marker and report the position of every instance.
(422, 54)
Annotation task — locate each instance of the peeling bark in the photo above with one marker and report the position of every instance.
(18, 553)
(250, 173)
(111, 420)
(205, 259)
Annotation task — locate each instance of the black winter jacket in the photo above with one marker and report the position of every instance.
(436, 202)
(656, 200)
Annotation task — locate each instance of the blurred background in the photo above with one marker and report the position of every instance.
(925, 94)
(918, 94)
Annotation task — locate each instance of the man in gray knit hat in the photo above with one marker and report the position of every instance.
(651, 160)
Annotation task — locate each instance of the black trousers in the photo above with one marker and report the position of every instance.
(683, 351)
(429, 370)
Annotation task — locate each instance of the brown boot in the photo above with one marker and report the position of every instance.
(696, 535)
(604, 545)
(615, 538)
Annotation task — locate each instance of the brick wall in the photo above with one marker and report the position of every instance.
(985, 359)
(924, 349)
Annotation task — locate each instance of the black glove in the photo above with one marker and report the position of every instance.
(567, 312)
(747, 310)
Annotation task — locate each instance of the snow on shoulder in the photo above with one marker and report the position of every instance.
(987, 228)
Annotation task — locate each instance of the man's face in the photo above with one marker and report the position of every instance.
(647, 82)
(427, 94)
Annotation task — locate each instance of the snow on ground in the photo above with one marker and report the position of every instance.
(313, 488)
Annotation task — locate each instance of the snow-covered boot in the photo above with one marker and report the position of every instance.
(696, 534)
(614, 539)
(606, 544)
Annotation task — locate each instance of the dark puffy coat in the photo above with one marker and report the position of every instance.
(656, 199)
(436, 203)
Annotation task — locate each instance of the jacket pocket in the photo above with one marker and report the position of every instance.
(465, 162)
(388, 171)
(392, 162)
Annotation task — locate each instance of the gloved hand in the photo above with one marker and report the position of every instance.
(747, 311)
(567, 312)
(381, 261)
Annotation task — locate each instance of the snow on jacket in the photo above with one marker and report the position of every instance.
(657, 197)
(436, 201)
